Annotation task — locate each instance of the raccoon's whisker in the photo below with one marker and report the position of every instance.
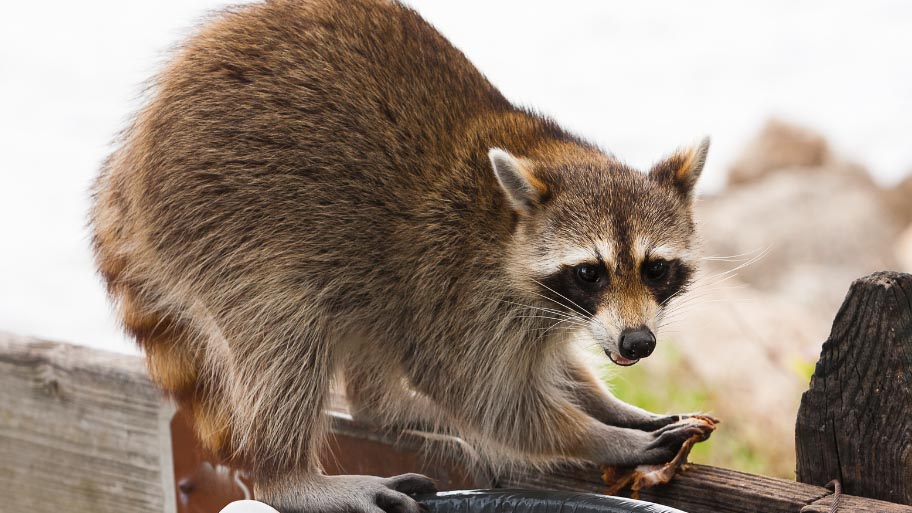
(751, 261)
(569, 325)
(532, 307)
(677, 294)
(545, 332)
(694, 305)
(561, 329)
(571, 311)
(578, 307)
(694, 302)
(574, 304)
(590, 346)
(716, 279)
(738, 257)
(562, 319)
(680, 314)
(703, 288)
(676, 311)
(575, 321)
(724, 259)
(684, 300)
(664, 326)
(687, 295)
(567, 333)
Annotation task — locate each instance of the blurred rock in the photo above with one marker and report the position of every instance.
(752, 347)
(801, 224)
(820, 231)
(778, 145)
(822, 221)
(899, 199)
(903, 250)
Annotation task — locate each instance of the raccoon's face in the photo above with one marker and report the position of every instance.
(602, 247)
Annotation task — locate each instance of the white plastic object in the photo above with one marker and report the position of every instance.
(248, 507)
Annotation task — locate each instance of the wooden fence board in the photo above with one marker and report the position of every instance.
(854, 423)
(80, 430)
(85, 430)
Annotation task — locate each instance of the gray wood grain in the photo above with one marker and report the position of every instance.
(705, 489)
(80, 431)
(852, 504)
(83, 430)
(854, 423)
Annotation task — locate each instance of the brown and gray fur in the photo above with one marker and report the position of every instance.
(308, 193)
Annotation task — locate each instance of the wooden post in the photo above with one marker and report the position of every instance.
(85, 430)
(80, 430)
(855, 421)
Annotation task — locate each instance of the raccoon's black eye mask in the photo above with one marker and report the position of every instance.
(588, 273)
(577, 286)
(654, 270)
(665, 278)
(581, 286)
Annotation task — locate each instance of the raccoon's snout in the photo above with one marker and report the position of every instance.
(636, 343)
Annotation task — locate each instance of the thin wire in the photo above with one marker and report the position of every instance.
(837, 494)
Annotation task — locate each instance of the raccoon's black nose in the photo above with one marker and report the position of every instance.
(636, 343)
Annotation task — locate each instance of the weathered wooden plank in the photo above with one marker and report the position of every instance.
(701, 489)
(854, 423)
(853, 504)
(80, 430)
(704, 489)
(85, 430)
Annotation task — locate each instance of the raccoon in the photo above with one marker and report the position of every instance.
(325, 189)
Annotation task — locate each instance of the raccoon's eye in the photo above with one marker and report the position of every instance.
(587, 272)
(655, 270)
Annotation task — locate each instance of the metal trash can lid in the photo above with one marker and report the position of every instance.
(506, 501)
(534, 501)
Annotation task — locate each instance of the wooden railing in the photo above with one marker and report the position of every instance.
(83, 430)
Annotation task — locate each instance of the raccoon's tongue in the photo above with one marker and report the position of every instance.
(620, 360)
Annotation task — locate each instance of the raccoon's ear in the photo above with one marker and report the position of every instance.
(682, 169)
(523, 189)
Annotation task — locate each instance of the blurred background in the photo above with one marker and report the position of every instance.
(807, 186)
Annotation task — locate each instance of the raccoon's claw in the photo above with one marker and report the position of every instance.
(396, 498)
(682, 434)
(391, 501)
(669, 440)
(411, 484)
(701, 416)
(658, 423)
(655, 423)
(354, 494)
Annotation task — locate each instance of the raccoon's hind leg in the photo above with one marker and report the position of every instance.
(267, 415)
(378, 394)
(284, 353)
(174, 351)
(347, 494)
(172, 343)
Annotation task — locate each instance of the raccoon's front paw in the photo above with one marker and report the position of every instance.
(356, 494)
(658, 422)
(701, 416)
(669, 440)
